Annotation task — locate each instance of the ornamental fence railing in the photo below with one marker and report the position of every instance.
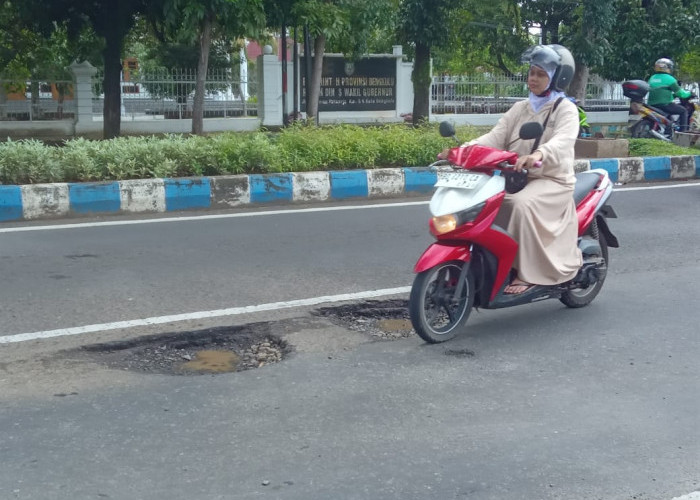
(36, 99)
(170, 94)
(493, 93)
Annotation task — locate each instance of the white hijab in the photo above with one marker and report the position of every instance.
(537, 101)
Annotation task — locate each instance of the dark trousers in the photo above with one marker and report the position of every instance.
(676, 109)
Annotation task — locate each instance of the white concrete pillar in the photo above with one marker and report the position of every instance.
(404, 84)
(269, 88)
(83, 73)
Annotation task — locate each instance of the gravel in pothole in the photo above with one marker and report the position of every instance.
(216, 350)
(384, 319)
(239, 348)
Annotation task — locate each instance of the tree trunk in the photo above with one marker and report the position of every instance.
(577, 88)
(111, 84)
(319, 50)
(202, 67)
(421, 84)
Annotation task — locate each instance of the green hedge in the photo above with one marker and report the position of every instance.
(294, 149)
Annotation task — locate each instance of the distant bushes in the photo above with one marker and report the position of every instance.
(294, 149)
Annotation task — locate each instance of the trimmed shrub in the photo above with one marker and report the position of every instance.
(298, 148)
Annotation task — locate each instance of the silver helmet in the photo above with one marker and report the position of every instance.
(663, 65)
(554, 59)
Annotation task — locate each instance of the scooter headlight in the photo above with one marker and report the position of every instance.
(445, 223)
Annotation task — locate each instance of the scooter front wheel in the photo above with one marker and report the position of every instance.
(437, 312)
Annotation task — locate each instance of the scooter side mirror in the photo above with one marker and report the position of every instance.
(531, 130)
(447, 129)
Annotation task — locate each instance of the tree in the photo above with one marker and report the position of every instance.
(422, 24)
(549, 16)
(26, 55)
(488, 35)
(198, 20)
(348, 26)
(689, 66)
(111, 20)
(587, 36)
(647, 30)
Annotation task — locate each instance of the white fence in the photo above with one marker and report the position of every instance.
(36, 100)
(492, 93)
(170, 94)
(161, 102)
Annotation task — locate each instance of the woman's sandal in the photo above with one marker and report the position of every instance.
(517, 286)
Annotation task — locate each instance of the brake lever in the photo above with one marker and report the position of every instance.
(441, 166)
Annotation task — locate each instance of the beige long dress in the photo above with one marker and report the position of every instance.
(542, 216)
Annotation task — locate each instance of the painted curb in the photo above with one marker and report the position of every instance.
(41, 201)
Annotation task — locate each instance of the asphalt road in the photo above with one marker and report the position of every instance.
(540, 402)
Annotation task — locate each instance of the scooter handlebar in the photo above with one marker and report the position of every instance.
(507, 165)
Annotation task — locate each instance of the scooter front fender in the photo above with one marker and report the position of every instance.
(438, 253)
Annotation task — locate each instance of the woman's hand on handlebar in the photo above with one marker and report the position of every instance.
(442, 155)
(528, 161)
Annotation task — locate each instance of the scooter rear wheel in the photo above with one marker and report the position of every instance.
(437, 314)
(642, 130)
(581, 297)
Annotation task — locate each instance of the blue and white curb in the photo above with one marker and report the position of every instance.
(40, 201)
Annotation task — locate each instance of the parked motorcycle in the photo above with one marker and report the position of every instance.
(653, 122)
(584, 129)
(470, 264)
(693, 107)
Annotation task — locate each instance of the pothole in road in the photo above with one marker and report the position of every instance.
(239, 348)
(383, 319)
(215, 350)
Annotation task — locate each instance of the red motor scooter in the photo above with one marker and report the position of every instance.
(470, 264)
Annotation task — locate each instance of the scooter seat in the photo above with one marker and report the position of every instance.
(659, 111)
(585, 182)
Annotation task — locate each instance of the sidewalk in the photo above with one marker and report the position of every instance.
(43, 201)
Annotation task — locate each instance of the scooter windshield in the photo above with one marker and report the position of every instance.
(480, 156)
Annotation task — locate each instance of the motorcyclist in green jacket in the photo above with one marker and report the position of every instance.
(663, 88)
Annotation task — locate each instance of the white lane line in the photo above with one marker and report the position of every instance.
(234, 311)
(690, 496)
(620, 189)
(79, 225)
(205, 217)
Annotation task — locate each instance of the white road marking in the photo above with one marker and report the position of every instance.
(205, 217)
(79, 225)
(690, 496)
(648, 188)
(234, 311)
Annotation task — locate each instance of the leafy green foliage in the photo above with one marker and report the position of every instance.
(489, 35)
(422, 24)
(294, 149)
(647, 31)
(28, 162)
(689, 66)
(654, 147)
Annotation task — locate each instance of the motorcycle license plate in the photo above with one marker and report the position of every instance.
(457, 180)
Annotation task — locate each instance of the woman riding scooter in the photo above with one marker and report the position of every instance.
(542, 216)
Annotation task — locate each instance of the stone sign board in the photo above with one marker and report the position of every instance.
(368, 84)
